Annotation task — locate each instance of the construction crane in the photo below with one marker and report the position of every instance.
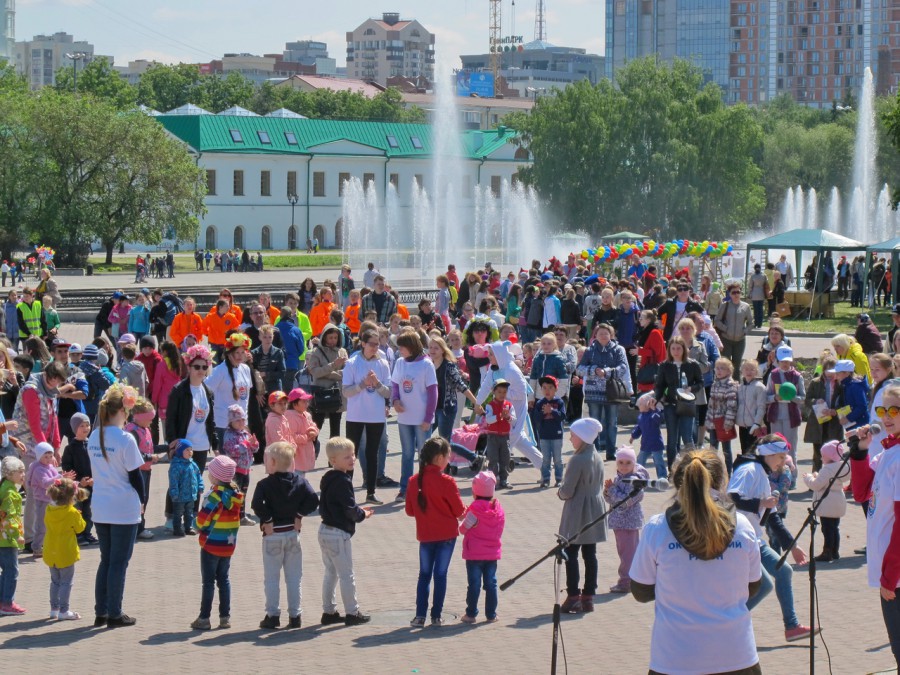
(540, 22)
(495, 42)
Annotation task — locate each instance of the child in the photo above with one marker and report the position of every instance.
(627, 520)
(833, 505)
(75, 460)
(240, 445)
(437, 507)
(550, 362)
(280, 501)
(185, 486)
(51, 316)
(303, 431)
(819, 398)
(751, 411)
(499, 418)
(277, 426)
(443, 301)
(11, 324)
(351, 312)
(12, 533)
(340, 515)
(580, 490)
(218, 523)
(780, 482)
(722, 410)
(63, 523)
(527, 358)
(547, 416)
(783, 415)
(40, 476)
(482, 529)
(648, 429)
(142, 415)
(131, 371)
(851, 392)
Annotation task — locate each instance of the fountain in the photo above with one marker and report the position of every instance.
(446, 219)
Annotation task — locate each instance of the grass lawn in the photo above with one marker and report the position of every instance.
(844, 320)
(184, 262)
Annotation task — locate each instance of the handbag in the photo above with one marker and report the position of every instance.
(685, 405)
(723, 434)
(326, 400)
(646, 374)
(616, 391)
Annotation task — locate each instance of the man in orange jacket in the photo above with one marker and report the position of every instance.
(217, 324)
(320, 314)
(186, 323)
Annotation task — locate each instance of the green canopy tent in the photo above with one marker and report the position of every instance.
(799, 240)
(892, 247)
(623, 237)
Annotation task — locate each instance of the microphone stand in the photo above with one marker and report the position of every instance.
(812, 522)
(559, 553)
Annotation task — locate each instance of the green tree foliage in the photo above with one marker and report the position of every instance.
(165, 88)
(98, 78)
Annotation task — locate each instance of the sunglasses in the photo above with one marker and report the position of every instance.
(893, 411)
(197, 367)
(735, 292)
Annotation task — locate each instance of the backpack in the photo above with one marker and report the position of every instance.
(174, 305)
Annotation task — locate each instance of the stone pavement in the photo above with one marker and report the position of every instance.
(163, 593)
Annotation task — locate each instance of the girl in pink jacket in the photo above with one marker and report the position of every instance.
(482, 527)
(303, 431)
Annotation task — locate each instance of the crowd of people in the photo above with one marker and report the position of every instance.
(486, 370)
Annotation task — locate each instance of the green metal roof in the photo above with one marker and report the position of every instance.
(212, 133)
(809, 240)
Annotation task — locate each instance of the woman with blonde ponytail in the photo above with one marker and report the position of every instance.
(116, 502)
(700, 562)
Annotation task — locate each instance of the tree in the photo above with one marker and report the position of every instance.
(99, 79)
(20, 171)
(216, 93)
(165, 88)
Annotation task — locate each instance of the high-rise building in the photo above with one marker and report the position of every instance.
(39, 58)
(390, 47)
(814, 50)
(310, 53)
(7, 30)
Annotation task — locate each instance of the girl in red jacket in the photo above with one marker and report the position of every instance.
(432, 498)
(482, 529)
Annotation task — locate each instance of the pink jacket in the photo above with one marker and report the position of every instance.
(303, 432)
(163, 381)
(278, 429)
(38, 478)
(482, 541)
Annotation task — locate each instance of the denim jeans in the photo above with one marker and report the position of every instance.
(146, 476)
(281, 551)
(608, 416)
(726, 449)
(373, 433)
(116, 547)
(573, 578)
(482, 572)
(443, 421)
(782, 584)
(337, 555)
(9, 573)
(182, 516)
(758, 312)
(679, 431)
(412, 438)
(890, 612)
(61, 579)
(434, 561)
(382, 454)
(214, 572)
(658, 461)
(551, 449)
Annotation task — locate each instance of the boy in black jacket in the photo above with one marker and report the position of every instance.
(280, 501)
(340, 514)
(75, 458)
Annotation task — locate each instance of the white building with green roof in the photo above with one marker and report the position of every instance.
(255, 164)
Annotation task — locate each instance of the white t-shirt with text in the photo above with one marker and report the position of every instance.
(220, 384)
(196, 431)
(880, 518)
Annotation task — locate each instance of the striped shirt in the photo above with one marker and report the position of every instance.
(219, 520)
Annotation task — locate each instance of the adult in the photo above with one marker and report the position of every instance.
(650, 349)
(758, 290)
(846, 347)
(867, 335)
(11, 381)
(679, 378)
(469, 289)
(186, 323)
(189, 410)
(166, 375)
(366, 383)
(604, 359)
(890, 346)
(627, 325)
(606, 312)
(675, 309)
(71, 399)
(702, 544)
(307, 294)
(48, 286)
(325, 363)
(786, 271)
(568, 352)
(30, 314)
(843, 277)
(379, 301)
(231, 383)
(228, 297)
(734, 323)
(881, 367)
(698, 350)
(293, 344)
(117, 496)
(260, 317)
(369, 275)
(268, 361)
(450, 383)
(766, 357)
(414, 395)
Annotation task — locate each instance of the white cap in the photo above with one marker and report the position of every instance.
(587, 429)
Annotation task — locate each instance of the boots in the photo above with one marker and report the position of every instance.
(572, 605)
(827, 556)
(587, 603)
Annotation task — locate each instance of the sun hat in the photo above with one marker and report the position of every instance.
(483, 484)
(587, 429)
(222, 468)
(127, 339)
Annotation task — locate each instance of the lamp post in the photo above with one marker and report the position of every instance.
(76, 57)
(293, 199)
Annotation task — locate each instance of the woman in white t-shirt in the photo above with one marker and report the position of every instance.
(116, 500)
(700, 562)
(231, 381)
(414, 395)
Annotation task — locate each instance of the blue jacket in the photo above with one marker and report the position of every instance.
(855, 393)
(648, 430)
(548, 364)
(712, 355)
(627, 326)
(12, 320)
(139, 319)
(293, 344)
(614, 363)
(549, 427)
(185, 481)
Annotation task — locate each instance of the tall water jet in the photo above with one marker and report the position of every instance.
(834, 211)
(787, 211)
(799, 207)
(883, 217)
(864, 157)
(812, 210)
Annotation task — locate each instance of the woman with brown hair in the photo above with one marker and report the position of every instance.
(700, 562)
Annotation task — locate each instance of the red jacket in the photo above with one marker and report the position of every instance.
(440, 521)
(653, 351)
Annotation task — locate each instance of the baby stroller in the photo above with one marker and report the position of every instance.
(470, 437)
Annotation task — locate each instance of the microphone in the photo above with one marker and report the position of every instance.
(660, 484)
(853, 438)
(768, 512)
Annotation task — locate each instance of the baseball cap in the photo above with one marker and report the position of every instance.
(75, 348)
(298, 394)
(59, 343)
(500, 383)
(127, 339)
(549, 379)
(276, 396)
(843, 366)
(784, 353)
(118, 295)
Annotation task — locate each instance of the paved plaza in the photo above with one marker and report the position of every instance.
(163, 593)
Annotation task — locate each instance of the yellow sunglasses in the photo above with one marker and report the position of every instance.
(893, 411)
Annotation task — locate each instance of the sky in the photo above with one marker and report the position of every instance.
(196, 31)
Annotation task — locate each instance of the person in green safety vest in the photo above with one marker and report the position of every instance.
(30, 313)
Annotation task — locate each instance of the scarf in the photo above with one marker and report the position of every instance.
(41, 385)
(890, 442)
